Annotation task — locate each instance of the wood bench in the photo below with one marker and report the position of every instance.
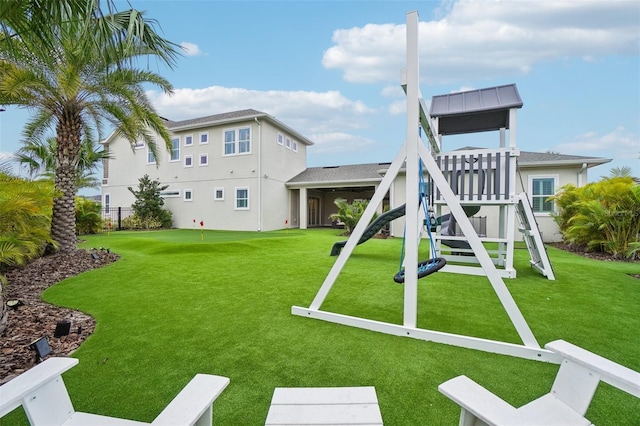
(44, 397)
(324, 406)
(573, 389)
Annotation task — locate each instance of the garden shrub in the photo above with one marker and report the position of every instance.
(88, 220)
(601, 216)
(135, 222)
(25, 220)
(147, 208)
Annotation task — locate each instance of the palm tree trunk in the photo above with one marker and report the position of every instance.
(63, 220)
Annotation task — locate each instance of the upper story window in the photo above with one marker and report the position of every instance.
(204, 138)
(294, 146)
(188, 160)
(204, 159)
(237, 141)
(541, 188)
(188, 140)
(287, 143)
(138, 145)
(280, 138)
(151, 159)
(175, 149)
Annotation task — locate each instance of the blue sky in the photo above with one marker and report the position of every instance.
(331, 70)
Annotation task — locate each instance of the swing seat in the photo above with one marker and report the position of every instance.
(426, 267)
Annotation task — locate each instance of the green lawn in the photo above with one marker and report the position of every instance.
(176, 305)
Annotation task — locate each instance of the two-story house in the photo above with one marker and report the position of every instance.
(226, 170)
(246, 170)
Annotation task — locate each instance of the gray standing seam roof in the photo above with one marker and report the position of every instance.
(475, 110)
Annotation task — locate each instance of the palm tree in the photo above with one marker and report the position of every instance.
(77, 70)
(38, 157)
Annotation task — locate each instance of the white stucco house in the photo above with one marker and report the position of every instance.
(246, 170)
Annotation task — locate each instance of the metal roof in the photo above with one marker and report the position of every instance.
(475, 110)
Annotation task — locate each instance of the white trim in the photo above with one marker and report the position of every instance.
(188, 195)
(190, 158)
(186, 138)
(204, 163)
(236, 141)
(235, 203)
(206, 137)
(215, 194)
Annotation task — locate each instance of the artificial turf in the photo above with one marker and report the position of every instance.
(183, 302)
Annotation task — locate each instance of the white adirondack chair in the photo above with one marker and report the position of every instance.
(580, 373)
(44, 397)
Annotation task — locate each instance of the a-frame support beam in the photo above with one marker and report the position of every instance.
(414, 151)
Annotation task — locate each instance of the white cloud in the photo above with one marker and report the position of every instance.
(488, 38)
(190, 49)
(394, 91)
(338, 142)
(618, 143)
(324, 115)
(397, 107)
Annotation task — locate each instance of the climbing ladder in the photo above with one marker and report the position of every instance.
(531, 234)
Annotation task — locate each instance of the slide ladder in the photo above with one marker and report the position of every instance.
(531, 234)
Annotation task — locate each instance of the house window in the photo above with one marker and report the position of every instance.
(188, 160)
(175, 149)
(204, 159)
(218, 194)
(229, 142)
(188, 140)
(188, 195)
(294, 146)
(280, 138)
(287, 143)
(170, 194)
(151, 159)
(107, 203)
(138, 145)
(242, 198)
(541, 188)
(244, 140)
(237, 141)
(204, 138)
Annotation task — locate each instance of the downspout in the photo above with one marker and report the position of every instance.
(584, 167)
(259, 153)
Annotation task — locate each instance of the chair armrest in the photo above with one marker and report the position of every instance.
(478, 401)
(610, 372)
(13, 392)
(194, 400)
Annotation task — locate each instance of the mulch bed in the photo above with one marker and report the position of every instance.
(35, 318)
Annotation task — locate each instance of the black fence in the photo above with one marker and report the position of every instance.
(112, 217)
